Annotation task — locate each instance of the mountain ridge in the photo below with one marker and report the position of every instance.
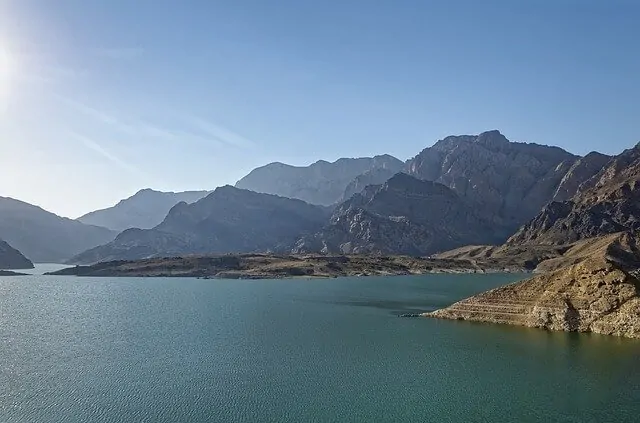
(320, 183)
(144, 209)
(227, 220)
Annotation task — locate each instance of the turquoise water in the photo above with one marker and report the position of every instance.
(188, 350)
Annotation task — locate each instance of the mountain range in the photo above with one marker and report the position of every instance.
(468, 189)
(463, 190)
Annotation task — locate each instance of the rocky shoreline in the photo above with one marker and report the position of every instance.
(597, 290)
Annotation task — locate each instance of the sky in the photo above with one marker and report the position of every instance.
(101, 98)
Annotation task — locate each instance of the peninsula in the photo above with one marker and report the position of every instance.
(267, 266)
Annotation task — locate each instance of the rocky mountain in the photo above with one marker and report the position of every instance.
(402, 216)
(44, 236)
(599, 292)
(229, 220)
(144, 210)
(321, 183)
(10, 258)
(507, 182)
(608, 202)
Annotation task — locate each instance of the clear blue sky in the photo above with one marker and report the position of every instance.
(99, 98)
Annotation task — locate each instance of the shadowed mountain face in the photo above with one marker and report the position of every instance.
(44, 236)
(144, 210)
(10, 258)
(606, 203)
(321, 183)
(227, 220)
(402, 216)
(507, 182)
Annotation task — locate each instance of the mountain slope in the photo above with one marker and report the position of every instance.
(10, 258)
(44, 236)
(144, 210)
(507, 182)
(229, 220)
(320, 183)
(402, 216)
(609, 202)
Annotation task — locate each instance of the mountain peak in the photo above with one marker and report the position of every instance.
(492, 138)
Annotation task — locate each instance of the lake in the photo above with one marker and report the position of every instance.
(188, 350)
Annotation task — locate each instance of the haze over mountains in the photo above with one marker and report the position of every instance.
(144, 210)
(45, 237)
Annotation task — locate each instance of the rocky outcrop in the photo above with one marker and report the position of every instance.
(599, 293)
(45, 237)
(10, 258)
(144, 210)
(402, 216)
(609, 202)
(321, 183)
(229, 220)
(507, 182)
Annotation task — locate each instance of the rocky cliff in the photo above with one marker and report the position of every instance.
(10, 258)
(45, 237)
(321, 183)
(402, 216)
(598, 293)
(507, 182)
(608, 202)
(144, 210)
(229, 220)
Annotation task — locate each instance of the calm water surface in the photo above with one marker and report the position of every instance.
(188, 350)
